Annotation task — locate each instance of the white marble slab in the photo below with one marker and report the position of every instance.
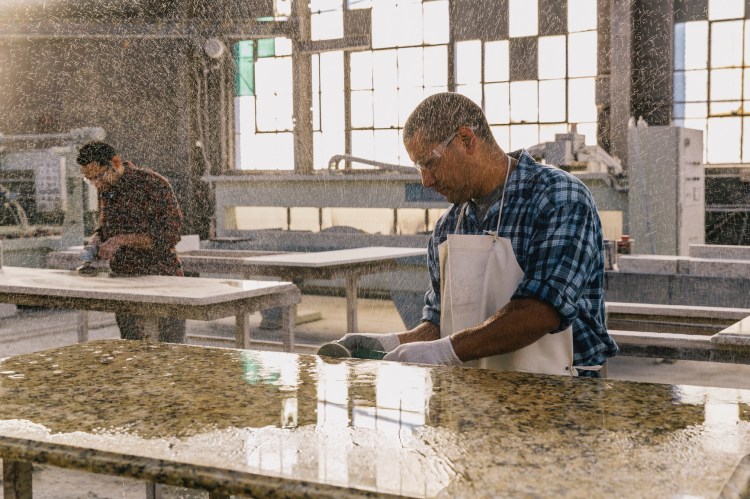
(337, 257)
(142, 289)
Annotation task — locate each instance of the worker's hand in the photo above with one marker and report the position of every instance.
(368, 341)
(439, 352)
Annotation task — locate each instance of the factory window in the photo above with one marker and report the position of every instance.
(712, 78)
(535, 77)
(263, 104)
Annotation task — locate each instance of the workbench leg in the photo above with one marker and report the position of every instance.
(351, 304)
(153, 490)
(16, 479)
(150, 328)
(83, 326)
(288, 314)
(242, 330)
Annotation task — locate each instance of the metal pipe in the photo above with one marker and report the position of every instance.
(333, 164)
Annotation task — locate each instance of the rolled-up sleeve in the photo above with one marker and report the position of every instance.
(563, 251)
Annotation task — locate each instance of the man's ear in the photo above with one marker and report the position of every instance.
(469, 139)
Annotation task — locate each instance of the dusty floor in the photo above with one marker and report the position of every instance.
(44, 329)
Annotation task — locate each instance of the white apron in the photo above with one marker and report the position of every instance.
(478, 276)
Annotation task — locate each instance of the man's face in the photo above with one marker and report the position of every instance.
(95, 173)
(443, 165)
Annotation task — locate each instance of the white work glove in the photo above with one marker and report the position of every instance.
(439, 352)
(368, 341)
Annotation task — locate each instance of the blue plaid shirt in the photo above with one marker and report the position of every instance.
(552, 222)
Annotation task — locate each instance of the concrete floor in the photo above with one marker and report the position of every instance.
(31, 331)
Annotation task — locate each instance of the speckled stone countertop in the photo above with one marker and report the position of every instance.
(285, 425)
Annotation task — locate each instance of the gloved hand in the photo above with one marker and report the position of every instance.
(439, 352)
(368, 341)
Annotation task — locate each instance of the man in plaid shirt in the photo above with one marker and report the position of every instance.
(139, 226)
(550, 219)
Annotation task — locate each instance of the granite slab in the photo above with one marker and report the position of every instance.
(736, 334)
(270, 424)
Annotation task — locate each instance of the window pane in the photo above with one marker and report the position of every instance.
(723, 141)
(497, 102)
(746, 140)
(581, 100)
(726, 84)
(502, 136)
(410, 67)
(409, 24)
(726, 44)
(588, 130)
(274, 113)
(383, 34)
(524, 102)
(408, 98)
(386, 110)
(386, 146)
(691, 45)
(523, 18)
(496, 61)
(468, 62)
(273, 76)
(273, 151)
(384, 70)
(691, 110)
(363, 144)
(473, 92)
(523, 136)
(552, 101)
(435, 20)
(436, 66)
(581, 15)
(726, 108)
(315, 60)
(362, 109)
(327, 25)
(551, 57)
(582, 54)
(691, 86)
(331, 144)
(361, 70)
(547, 132)
(726, 9)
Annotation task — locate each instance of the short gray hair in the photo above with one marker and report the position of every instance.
(441, 114)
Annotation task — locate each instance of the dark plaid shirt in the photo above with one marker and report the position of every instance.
(142, 202)
(554, 227)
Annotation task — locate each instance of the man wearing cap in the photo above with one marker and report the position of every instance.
(138, 228)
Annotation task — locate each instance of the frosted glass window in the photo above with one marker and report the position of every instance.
(331, 144)
(434, 90)
(386, 146)
(746, 140)
(726, 84)
(746, 84)
(408, 21)
(496, 61)
(696, 86)
(696, 110)
(468, 62)
(273, 76)
(581, 100)
(552, 101)
(524, 102)
(361, 70)
(551, 57)
(282, 46)
(327, 25)
(332, 71)
(726, 9)
(691, 45)
(273, 151)
(473, 92)
(435, 66)
(502, 136)
(384, 70)
(315, 63)
(274, 113)
(362, 106)
(581, 15)
(747, 43)
(386, 108)
(726, 108)
(497, 102)
(435, 20)
(523, 18)
(724, 135)
(523, 136)
(363, 144)
(332, 111)
(408, 98)
(410, 65)
(547, 132)
(726, 44)
(383, 34)
(582, 54)
(589, 131)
